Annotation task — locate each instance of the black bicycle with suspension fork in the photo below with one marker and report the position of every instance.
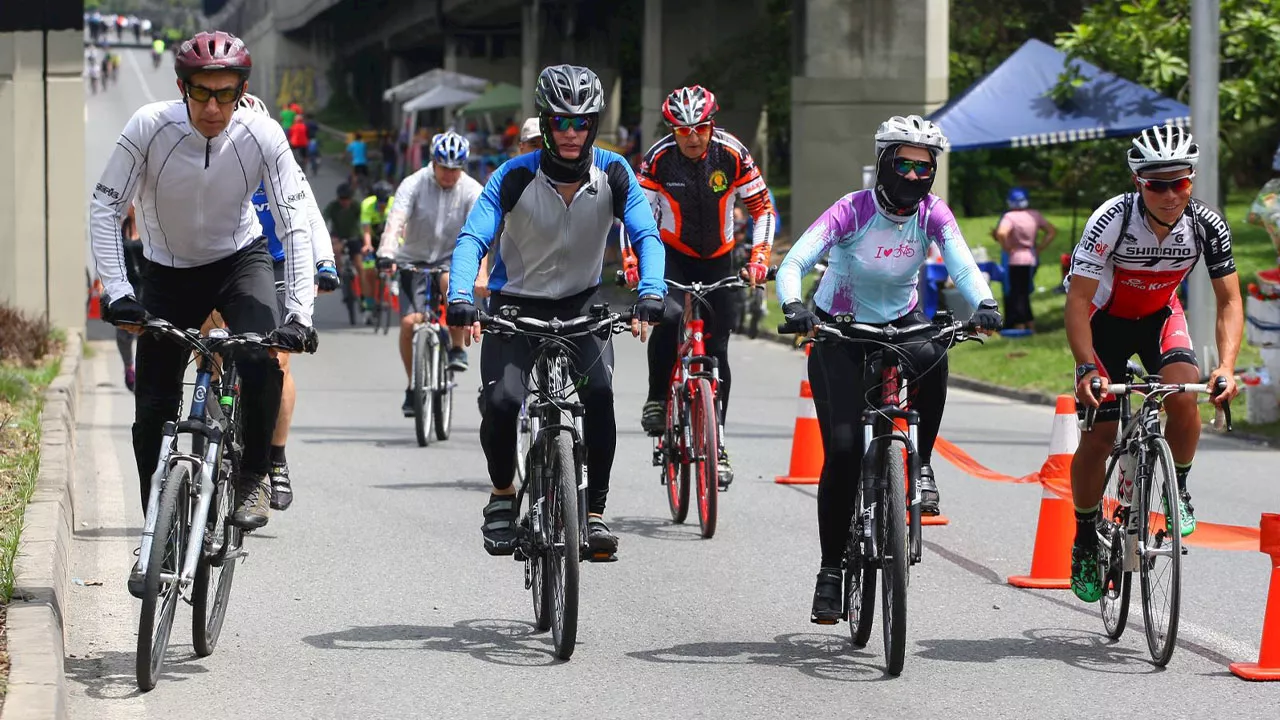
(551, 537)
(885, 535)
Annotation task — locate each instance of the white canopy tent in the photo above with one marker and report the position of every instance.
(438, 97)
(416, 86)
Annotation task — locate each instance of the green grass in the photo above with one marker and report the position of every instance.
(21, 400)
(1043, 362)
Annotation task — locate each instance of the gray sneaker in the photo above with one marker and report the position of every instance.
(254, 503)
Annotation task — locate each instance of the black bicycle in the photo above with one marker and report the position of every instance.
(350, 283)
(432, 379)
(189, 490)
(552, 534)
(885, 534)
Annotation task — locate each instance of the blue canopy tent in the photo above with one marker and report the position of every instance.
(1012, 107)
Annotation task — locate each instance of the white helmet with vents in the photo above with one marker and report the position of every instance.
(253, 103)
(911, 130)
(1163, 147)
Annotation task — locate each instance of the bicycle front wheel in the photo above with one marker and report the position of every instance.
(161, 590)
(211, 591)
(564, 547)
(893, 564)
(859, 580)
(674, 468)
(706, 453)
(1112, 523)
(1160, 551)
(442, 393)
(423, 381)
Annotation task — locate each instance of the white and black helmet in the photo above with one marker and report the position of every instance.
(253, 103)
(911, 130)
(449, 150)
(568, 90)
(1163, 147)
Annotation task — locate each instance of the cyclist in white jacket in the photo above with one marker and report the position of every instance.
(426, 216)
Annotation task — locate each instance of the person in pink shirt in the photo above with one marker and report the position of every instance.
(1017, 233)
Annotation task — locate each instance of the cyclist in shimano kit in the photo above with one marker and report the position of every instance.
(1122, 300)
(877, 241)
(429, 208)
(691, 178)
(373, 220)
(193, 166)
(326, 281)
(555, 207)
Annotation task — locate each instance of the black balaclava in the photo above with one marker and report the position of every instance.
(557, 168)
(897, 194)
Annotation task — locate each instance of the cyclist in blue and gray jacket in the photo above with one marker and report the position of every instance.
(555, 207)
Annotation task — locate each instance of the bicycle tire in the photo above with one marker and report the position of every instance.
(675, 470)
(706, 454)
(1158, 528)
(442, 396)
(423, 381)
(166, 556)
(859, 581)
(523, 438)
(1117, 583)
(563, 552)
(893, 566)
(207, 617)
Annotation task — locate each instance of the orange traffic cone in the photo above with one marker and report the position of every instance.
(1268, 665)
(1051, 557)
(806, 441)
(95, 300)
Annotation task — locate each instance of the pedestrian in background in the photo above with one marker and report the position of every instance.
(1017, 233)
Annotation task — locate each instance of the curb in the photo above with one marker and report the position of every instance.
(36, 625)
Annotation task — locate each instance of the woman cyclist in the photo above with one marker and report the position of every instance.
(877, 241)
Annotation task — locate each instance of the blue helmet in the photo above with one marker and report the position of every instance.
(1018, 199)
(449, 149)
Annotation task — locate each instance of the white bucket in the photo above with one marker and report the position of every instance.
(1261, 404)
(1262, 322)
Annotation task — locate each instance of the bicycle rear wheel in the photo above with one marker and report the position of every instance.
(442, 393)
(675, 470)
(1160, 551)
(211, 591)
(1116, 581)
(161, 595)
(563, 549)
(859, 580)
(349, 297)
(423, 381)
(706, 453)
(893, 565)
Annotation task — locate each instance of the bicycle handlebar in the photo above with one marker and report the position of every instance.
(207, 346)
(432, 270)
(1149, 389)
(843, 328)
(512, 322)
(700, 289)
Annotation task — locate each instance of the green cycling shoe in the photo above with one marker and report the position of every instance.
(1086, 578)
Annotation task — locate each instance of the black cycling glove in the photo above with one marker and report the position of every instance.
(461, 314)
(327, 276)
(295, 337)
(649, 309)
(800, 319)
(987, 316)
(126, 311)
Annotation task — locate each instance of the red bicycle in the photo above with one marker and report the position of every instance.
(692, 441)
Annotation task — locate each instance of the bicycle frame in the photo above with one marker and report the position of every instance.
(880, 432)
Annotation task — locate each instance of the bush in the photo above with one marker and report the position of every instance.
(23, 340)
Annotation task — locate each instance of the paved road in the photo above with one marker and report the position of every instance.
(373, 597)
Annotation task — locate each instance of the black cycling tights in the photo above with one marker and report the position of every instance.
(505, 364)
(835, 374)
(717, 316)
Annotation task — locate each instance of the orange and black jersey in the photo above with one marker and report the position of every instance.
(693, 199)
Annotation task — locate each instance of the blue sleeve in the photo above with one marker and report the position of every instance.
(477, 235)
(642, 232)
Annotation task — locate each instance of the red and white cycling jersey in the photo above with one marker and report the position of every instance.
(1138, 275)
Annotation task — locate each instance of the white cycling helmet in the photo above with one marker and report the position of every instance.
(1163, 147)
(253, 103)
(449, 149)
(911, 130)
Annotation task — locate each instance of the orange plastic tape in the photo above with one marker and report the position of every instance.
(1055, 474)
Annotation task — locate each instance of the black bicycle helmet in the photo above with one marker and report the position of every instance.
(383, 190)
(568, 90)
(344, 192)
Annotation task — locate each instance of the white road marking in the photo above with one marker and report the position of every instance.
(142, 81)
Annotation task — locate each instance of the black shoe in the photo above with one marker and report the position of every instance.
(653, 418)
(281, 488)
(407, 407)
(928, 492)
(458, 360)
(724, 471)
(137, 581)
(254, 507)
(602, 543)
(499, 528)
(828, 605)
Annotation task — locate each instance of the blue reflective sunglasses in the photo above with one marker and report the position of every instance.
(570, 122)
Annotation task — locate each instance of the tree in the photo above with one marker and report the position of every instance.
(1148, 41)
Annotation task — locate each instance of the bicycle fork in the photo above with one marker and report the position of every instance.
(203, 473)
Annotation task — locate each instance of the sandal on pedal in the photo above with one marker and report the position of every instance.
(499, 528)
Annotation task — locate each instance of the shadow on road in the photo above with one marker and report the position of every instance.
(110, 675)
(106, 533)
(656, 528)
(501, 642)
(455, 484)
(1077, 648)
(825, 657)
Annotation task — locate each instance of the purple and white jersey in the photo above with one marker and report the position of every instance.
(875, 258)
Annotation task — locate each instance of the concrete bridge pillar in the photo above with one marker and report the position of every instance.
(857, 63)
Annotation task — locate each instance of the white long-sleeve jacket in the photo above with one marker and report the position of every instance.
(429, 216)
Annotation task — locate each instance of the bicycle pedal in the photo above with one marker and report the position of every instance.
(824, 622)
(602, 557)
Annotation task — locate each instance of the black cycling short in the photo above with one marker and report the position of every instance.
(413, 291)
(1158, 339)
(281, 286)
